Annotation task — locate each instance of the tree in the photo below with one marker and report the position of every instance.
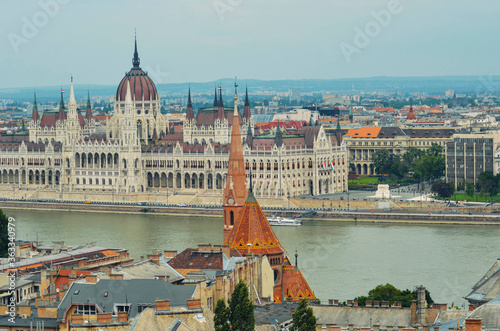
(469, 189)
(488, 183)
(391, 294)
(303, 318)
(442, 189)
(221, 317)
(241, 315)
(4, 234)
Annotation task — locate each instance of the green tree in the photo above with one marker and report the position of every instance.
(303, 318)
(442, 189)
(221, 317)
(488, 183)
(391, 294)
(241, 309)
(384, 162)
(469, 189)
(435, 150)
(4, 234)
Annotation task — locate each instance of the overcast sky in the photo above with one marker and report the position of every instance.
(204, 40)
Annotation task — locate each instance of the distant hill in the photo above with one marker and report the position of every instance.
(430, 85)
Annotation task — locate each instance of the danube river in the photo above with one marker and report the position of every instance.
(340, 260)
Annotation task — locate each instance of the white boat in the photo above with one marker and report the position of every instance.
(280, 221)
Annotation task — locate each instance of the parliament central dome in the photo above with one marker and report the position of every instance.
(141, 85)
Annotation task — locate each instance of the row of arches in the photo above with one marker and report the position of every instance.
(365, 169)
(38, 177)
(187, 180)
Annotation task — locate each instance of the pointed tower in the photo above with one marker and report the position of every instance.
(35, 121)
(235, 192)
(351, 115)
(61, 115)
(216, 101)
(135, 60)
(88, 112)
(128, 126)
(278, 140)
(411, 114)
(249, 139)
(189, 111)
(338, 131)
(246, 110)
(35, 117)
(72, 122)
(220, 106)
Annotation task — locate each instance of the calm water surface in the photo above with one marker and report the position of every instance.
(339, 260)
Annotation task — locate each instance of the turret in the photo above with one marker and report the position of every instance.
(34, 115)
(351, 115)
(220, 105)
(88, 112)
(189, 111)
(249, 139)
(246, 110)
(62, 115)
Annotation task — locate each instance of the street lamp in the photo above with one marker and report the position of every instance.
(348, 201)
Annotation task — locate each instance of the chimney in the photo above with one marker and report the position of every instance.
(421, 305)
(43, 283)
(413, 310)
(169, 253)
(161, 305)
(91, 279)
(472, 324)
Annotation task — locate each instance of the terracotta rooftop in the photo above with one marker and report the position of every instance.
(364, 132)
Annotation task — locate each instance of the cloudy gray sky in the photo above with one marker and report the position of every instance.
(43, 42)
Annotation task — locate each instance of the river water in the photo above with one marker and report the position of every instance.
(340, 260)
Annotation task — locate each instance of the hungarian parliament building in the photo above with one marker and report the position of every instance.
(140, 151)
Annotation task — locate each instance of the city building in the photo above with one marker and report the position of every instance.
(363, 142)
(470, 154)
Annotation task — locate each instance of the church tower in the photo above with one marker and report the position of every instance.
(235, 192)
(72, 122)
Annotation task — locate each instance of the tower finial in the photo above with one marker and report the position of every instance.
(235, 86)
(216, 101)
(136, 61)
(189, 105)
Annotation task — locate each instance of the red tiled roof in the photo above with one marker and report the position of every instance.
(364, 132)
(193, 259)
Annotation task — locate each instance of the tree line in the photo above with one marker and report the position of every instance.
(423, 164)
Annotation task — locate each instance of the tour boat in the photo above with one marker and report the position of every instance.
(280, 221)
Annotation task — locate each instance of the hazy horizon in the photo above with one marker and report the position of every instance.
(197, 41)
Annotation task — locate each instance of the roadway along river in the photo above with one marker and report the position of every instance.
(340, 260)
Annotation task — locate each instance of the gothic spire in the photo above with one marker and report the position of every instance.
(136, 61)
(189, 105)
(88, 112)
(189, 110)
(34, 116)
(216, 101)
(61, 107)
(246, 109)
(247, 102)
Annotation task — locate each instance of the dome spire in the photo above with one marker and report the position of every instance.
(136, 61)
(35, 117)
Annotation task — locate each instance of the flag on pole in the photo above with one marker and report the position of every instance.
(63, 91)
(332, 165)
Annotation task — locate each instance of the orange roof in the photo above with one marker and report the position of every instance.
(364, 132)
(295, 285)
(252, 226)
(109, 253)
